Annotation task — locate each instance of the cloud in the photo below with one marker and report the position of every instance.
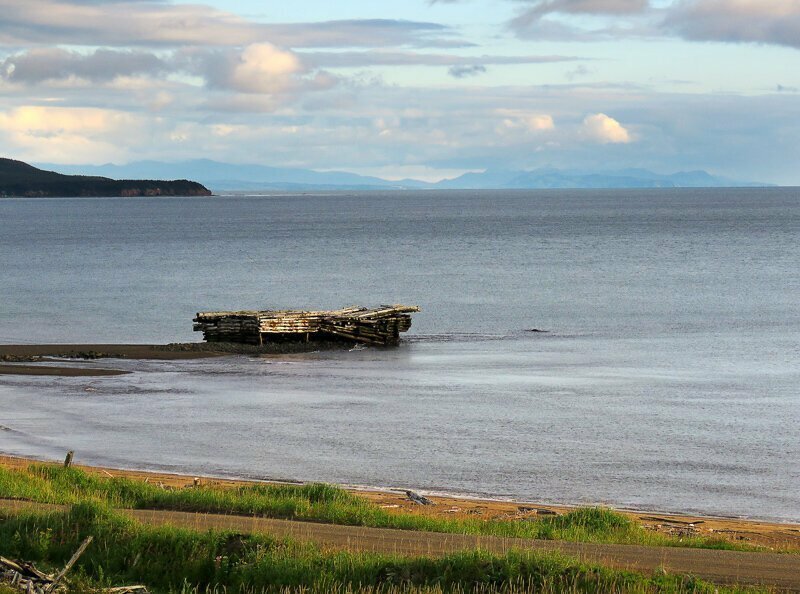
(263, 68)
(578, 72)
(606, 130)
(173, 81)
(542, 8)
(521, 120)
(330, 59)
(759, 21)
(775, 22)
(531, 22)
(67, 135)
(259, 68)
(42, 64)
(45, 122)
(745, 137)
(134, 23)
(466, 71)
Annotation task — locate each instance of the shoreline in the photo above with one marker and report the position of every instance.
(52, 370)
(772, 535)
(54, 359)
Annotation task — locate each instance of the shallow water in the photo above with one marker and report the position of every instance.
(669, 379)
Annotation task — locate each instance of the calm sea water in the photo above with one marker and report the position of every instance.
(670, 378)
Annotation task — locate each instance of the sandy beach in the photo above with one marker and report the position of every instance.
(775, 536)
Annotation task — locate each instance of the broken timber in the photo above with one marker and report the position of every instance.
(24, 577)
(380, 326)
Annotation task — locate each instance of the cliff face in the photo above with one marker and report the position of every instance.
(20, 179)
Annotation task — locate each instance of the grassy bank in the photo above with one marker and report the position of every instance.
(319, 503)
(175, 560)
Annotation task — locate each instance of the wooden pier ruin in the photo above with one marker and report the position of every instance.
(379, 326)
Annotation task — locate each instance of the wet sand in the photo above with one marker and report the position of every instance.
(58, 371)
(778, 537)
(14, 357)
(164, 352)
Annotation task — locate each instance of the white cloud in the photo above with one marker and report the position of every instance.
(606, 130)
(539, 122)
(263, 68)
(258, 69)
(520, 120)
(67, 135)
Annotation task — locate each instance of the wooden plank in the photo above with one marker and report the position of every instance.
(70, 563)
(377, 325)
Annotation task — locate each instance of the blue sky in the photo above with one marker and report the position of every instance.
(421, 89)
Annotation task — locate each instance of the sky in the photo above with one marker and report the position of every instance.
(427, 89)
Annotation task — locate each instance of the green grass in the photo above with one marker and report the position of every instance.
(320, 503)
(176, 560)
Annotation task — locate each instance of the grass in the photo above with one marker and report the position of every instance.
(174, 560)
(321, 503)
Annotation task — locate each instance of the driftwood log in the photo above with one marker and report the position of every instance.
(418, 499)
(24, 576)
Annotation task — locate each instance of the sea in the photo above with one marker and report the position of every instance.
(665, 376)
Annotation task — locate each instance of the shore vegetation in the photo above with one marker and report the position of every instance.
(321, 503)
(173, 560)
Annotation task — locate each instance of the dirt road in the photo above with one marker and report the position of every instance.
(724, 567)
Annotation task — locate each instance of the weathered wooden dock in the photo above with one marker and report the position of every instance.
(380, 326)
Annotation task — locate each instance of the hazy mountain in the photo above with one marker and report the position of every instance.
(227, 177)
(559, 178)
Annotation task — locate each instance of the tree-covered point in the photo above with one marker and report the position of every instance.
(23, 180)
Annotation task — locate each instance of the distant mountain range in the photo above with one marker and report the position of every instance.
(228, 177)
(559, 178)
(20, 179)
(222, 177)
